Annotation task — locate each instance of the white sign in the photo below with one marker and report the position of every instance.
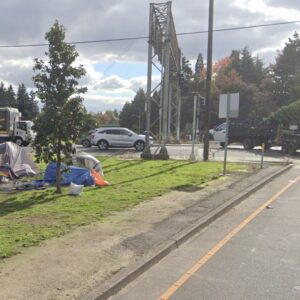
(233, 105)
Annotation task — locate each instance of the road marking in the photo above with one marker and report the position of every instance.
(203, 260)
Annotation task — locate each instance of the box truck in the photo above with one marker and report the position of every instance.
(13, 129)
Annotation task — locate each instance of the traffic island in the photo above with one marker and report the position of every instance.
(161, 155)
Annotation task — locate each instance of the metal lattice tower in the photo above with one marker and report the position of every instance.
(163, 48)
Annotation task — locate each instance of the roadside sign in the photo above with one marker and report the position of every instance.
(228, 108)
(233, 105)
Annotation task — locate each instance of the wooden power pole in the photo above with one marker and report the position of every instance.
(208, 80)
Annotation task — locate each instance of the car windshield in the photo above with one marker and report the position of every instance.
(220, 127)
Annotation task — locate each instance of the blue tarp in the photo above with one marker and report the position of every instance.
(72, 174)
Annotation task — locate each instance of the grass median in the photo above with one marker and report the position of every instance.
(29, 217)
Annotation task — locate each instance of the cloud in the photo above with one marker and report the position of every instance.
(112, 83)
(25, 22)
(287, 3)
(98, 103)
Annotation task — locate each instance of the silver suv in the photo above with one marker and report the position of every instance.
(118, 137)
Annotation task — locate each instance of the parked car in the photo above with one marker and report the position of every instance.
(85, 141)
(118, 137)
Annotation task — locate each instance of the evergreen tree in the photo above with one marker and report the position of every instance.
(187, 87)
(22, 100)
(285, 70)
(133, 113)
(26, 103)
(250, 68)
(200, 76)
(3, 96)
(11, 97)
(199, 67)
(34, 108)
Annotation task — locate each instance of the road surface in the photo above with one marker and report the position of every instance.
(236, 153)
(252, 252)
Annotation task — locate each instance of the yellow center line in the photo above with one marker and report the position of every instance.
(200, 263)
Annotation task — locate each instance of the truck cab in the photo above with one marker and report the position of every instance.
(246, 133)
(218, 134)
(24, 133)
(12, 128)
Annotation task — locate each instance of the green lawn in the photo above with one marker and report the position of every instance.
(26, 218)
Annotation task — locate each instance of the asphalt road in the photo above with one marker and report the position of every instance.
(252, 252)
(236, 153)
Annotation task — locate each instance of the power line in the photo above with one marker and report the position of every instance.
(146, 37)
(241, 27)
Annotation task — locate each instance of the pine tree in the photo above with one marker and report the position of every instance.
(3, 96)
(26, 103)
(11, 97)
(285, 70)
(132, 114)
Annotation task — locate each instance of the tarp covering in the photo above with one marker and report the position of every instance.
(73, 174)
(15, 159)
(98, 179)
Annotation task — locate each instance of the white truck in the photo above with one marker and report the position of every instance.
(13, 129)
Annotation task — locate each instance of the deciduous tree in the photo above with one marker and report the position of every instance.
(57, 87)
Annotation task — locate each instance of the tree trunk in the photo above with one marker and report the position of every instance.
(58, 173)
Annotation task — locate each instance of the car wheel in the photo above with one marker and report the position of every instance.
(248, 144)
(103, 145)
(19, 141)
(291, 148)
(268, 146)
(86, 143)
(284, 148)
(139, 145)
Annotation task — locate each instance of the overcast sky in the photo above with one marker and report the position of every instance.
(116, 70)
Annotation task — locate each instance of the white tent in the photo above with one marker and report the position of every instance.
(14, 159)
(89, 161)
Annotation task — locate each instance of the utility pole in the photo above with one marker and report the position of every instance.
(192, 156)
(208, 80)
(147, 151)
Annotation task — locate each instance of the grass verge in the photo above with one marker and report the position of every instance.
(26, 218)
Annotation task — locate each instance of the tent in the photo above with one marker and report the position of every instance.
(93, 164)
(15, 161)
(89, 161)
(77, 175)
(70, 174)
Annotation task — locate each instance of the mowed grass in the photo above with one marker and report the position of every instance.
(26, 218)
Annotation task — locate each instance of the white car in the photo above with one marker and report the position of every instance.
(118, 137)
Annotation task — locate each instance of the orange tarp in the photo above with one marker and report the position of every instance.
(99, 180)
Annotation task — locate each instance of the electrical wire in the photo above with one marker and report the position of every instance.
(147, 37)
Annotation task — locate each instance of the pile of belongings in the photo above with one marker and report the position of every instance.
(15, 163)
(88, 173)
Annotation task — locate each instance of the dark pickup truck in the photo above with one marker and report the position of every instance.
(290, 140)
(249, 135)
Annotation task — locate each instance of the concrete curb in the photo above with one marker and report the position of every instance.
(128, 274)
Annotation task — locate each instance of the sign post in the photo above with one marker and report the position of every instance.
(228, 108)
(192, 156)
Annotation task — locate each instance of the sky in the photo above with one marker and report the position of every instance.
(116, 70)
